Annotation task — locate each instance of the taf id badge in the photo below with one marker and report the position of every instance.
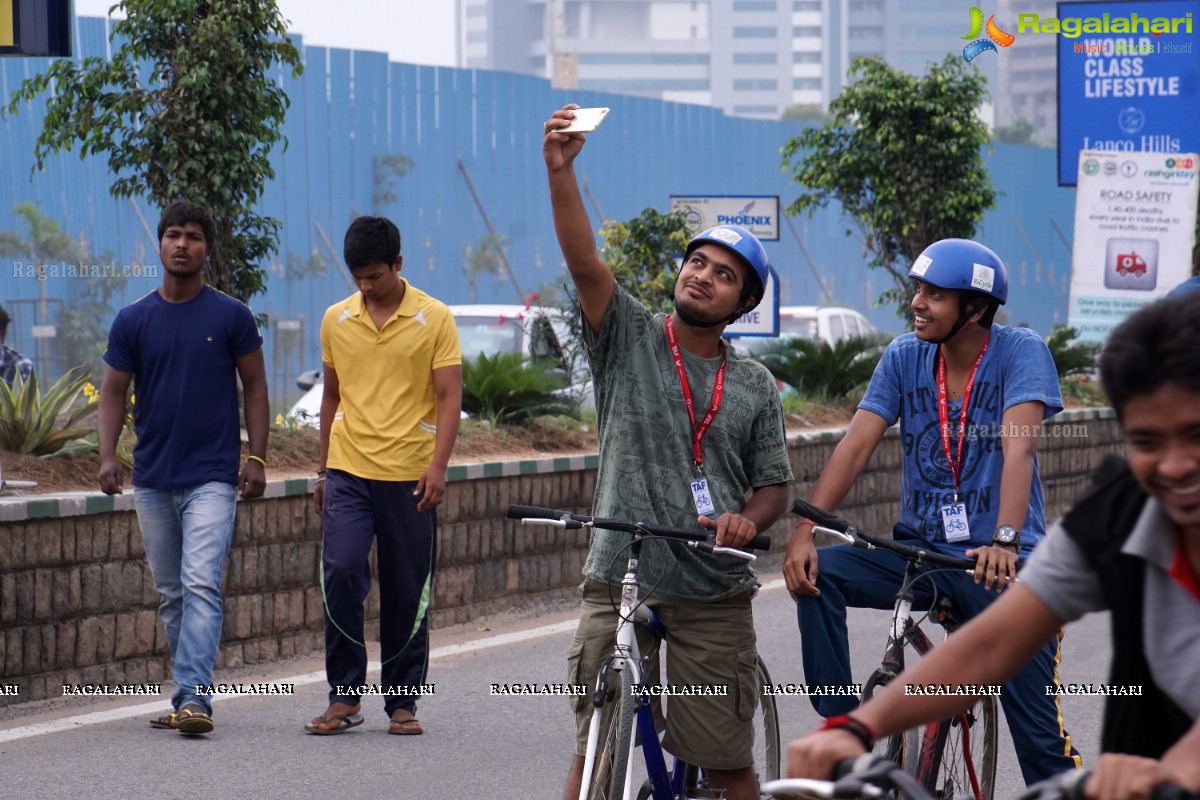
(954, 522)
(702, 497)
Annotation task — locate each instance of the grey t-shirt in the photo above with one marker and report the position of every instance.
(646, 455)
(1061, 578)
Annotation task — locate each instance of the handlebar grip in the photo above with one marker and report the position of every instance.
(516, 511)
(844, 767)
(820, 516)
(760, 542)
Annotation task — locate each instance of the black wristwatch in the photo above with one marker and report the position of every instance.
(1007, 536)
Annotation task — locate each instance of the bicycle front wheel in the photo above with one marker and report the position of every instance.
(964, 760)
(616, 734)
(766, 731)
(900, 748)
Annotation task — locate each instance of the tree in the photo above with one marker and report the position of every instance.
(903, 158)
(186, 109)
(46, 244)
(1020, 132)
(485, 257)
(644, 254)
(386, 170)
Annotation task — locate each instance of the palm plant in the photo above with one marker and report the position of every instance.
(822, 371)
(508, 388)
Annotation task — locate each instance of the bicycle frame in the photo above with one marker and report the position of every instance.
(904, 630)
(626, 655)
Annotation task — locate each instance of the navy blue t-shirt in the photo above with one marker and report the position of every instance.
(181, 356)
(1017, 368)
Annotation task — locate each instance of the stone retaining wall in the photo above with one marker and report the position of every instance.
(77, 604)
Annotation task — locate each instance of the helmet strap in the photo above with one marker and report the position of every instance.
(964, 316)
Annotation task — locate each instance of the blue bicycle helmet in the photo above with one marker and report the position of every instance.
(744, 244)
(962, 265)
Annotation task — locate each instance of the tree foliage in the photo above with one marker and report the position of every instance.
(903, 158)
(644, 254)
(187, 108)
(1020, 132)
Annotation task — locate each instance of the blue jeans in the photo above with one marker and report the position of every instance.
(187, 534)
(870, 579)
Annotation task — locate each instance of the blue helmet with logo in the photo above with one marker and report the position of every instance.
(744, 244)
(964, 266)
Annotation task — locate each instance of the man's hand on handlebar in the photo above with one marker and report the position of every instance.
(800, 563)
(815, 755)
(994, 566)
(733, 530)
(1122, 777)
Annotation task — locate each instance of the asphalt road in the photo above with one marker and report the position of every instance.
(475, 745)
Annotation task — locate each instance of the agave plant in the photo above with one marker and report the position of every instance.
(508, 388)
(43, 424)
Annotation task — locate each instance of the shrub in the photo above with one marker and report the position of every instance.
(822, 371)
(1071, 358)
(507, 388)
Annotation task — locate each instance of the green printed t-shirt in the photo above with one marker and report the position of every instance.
(646, 450)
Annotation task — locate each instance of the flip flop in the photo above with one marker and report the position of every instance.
(405, 727)
(165, 721)
(193, 720)
(345, 723)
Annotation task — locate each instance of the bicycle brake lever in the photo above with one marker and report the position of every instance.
(732, 551)
(569, 524)
(845, 537)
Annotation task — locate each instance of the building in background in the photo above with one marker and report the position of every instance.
(749, 58)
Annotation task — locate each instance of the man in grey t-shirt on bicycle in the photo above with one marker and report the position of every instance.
(677, 409)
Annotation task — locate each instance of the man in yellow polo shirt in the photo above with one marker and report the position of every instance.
(389, 416)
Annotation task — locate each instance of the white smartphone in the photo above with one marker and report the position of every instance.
(586, 120)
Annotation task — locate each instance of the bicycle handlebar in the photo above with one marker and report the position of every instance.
(868, 541)
(1070, 786)
(572, 520)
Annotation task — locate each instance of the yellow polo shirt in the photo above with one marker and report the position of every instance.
(386, 422)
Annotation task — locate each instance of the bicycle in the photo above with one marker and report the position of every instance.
(608, 763)
(872, 776)
(953, 757)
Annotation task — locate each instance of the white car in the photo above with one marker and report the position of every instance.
(535, 332)
(830, 324)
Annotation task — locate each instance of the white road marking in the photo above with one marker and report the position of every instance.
(151, 709)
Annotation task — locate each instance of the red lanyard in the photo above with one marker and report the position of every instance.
(698, 431)
(944, 410)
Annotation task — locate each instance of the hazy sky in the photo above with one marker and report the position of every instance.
(413, 31)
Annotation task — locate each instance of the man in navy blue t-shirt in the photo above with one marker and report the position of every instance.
(970, 397)
(184, 346)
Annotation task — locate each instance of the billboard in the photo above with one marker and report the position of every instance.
(1135, 219)
(35, 27)
(1128, 77)
(757, 214)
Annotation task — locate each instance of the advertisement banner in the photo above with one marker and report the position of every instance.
(1135, 216)
(1128, 77)
(8, 27)
(759, 215)
(764, 319)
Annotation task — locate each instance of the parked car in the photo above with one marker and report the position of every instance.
(830, 324)
(535, 332)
